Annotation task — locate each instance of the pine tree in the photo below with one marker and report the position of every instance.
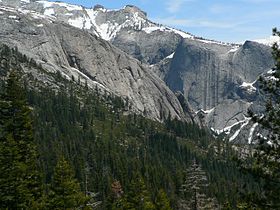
(20, 184)
(138, 197)
(194, 189)
(65, 192)
(266, 158)
(162, 201)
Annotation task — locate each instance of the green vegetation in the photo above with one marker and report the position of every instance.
(19, 178)
(65, 192)
(115, 160)
(264, 165)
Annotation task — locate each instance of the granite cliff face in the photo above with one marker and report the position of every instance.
(71, 51)
(218, 80)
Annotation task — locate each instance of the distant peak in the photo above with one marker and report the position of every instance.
(134, 9)
(98, 6)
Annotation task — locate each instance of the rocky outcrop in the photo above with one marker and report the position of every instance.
(208, 73)
(71, 51)
(219, 80)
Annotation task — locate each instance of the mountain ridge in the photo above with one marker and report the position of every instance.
(211, 75)
(74, 52)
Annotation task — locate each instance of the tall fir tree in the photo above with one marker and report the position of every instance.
(162, 201)
(20, 182)
(137, 197)
(65, 191)
(194, 190)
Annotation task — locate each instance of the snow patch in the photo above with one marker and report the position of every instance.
(40, 25)
(245, 122)
(36, 15)
(12, 17)
(248, 86)
(69, 7)
(182, 34)
(227, 129)
(88, 79)
(102, 9)
(271, 71)
(49, 12)
(261, 136)
(90, 21)
(264, 138)
(234, 49)
(252, 132)
(273, 78)
(170, 56)
(78, 22)
(46, 4)
(109, 30)
(153, 28)
(208, 111)
(25, 1)
(8, 9)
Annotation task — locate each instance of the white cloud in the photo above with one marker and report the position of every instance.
(174, 6)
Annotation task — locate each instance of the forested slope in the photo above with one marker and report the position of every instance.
(129, 161)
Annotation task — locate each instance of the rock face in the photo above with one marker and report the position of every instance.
(218, 80)
(71, 51)
(210, 73)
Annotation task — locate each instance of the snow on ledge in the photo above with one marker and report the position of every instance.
(251, 133)
(49, 12)
(171, 55)
(69, 7)
(227, 129)
(13, 17)
(245, 122)
(151, 29)
(208, 111)
(271, 71)
(234, 49)
(248, 86)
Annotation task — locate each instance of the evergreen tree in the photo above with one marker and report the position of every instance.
(266, 158)
(138, 197)
(65, 192)
(162, 201)
(20, 184)
(194, 189)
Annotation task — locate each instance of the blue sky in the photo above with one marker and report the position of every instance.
(223, 20)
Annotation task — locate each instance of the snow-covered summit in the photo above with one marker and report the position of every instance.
(105, 23)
